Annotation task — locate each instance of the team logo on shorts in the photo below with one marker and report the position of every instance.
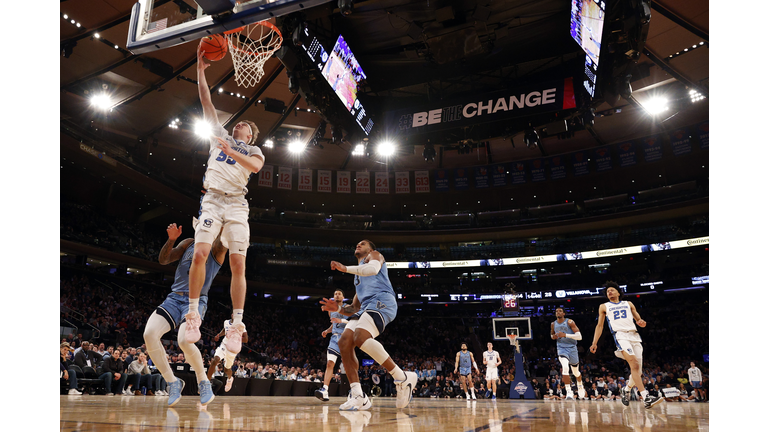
(207, 223)
(380, 305)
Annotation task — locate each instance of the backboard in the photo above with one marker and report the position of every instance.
(521, 326)
(160, 24)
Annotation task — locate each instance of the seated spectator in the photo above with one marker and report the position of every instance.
(112, 372)
(504, 384)
(85, 357)
(672, 398)
(140, 376)
(685, 395)
(67, 374)
(536, 388)
(594, 393)
(549, 393)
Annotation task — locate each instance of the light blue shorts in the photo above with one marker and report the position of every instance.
(333, 345)
(382, 308)
(571, 353)
(176, 305)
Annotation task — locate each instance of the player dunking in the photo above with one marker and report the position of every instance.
(620, 315)
(465, 360)
(492, 360)
(231, 162)
(338, 323)
(223, 353)
(170, 314)
(565, 332)
(373, 307)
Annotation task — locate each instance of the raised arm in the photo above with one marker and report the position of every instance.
(598, 328)
(641, 322)
(168, 253)
(209, 112)
(372, 266)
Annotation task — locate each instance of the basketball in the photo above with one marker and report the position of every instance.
(214, 47)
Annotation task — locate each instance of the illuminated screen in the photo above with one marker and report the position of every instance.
(587, 18)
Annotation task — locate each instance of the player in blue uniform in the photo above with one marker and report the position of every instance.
(465, 360)
(566, 333)
(373, 307)
(170, 314)
(338, 323)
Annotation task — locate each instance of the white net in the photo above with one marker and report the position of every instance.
(251, 47)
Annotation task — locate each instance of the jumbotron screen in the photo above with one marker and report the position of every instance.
(587, 19)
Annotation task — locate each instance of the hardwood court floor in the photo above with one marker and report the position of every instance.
(307, 414)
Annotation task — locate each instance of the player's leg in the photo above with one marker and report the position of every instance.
(579, 384)
(471, 386)
(566, 371)
(236, 235)
(212, 367)
(463, 381)
(195, 359)
(370, 324)
(159, 323)
(229, 360)
(351, 364)
(207, 228)
(322, 393)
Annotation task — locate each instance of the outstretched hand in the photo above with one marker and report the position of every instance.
(225, 147)
(201, 64)
(335, 265)
(173, 231)
(336, 320)
(329, 305)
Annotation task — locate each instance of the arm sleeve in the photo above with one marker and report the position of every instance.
(575, 336)
(371, 268)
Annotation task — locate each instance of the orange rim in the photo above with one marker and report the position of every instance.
(261, 23)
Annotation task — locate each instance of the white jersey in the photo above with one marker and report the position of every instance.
(227, 324)
(490, 358)
(694, 374)
(224, 175)
(620, 317)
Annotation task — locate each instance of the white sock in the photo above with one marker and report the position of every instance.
(192, 354)
(194, 304)
(325, 387)
(237, 316)
(355, 388)
(473, 391)
(644, 394)
(398, 374)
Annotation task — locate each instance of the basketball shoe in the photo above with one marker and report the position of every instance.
(322, 394)
(174, 392)
(235, 338)
(581, 391)
(652, 401)
(192, 333)
(356, 402)
(625, 395)
(206, 393)
(228, 387)
(405, 389)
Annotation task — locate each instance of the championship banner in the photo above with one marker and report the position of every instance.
(305, 180)
(651, 148)
(580, 163)
(517, 171)
(461, 179)
(627, 155)
(499, 175)
(556, 168)
(680, 141)
(468, 111)
(602, 157)
(538, 171)
(284, 178)
(703, 130)
(266, 175)
(441, 180)
(402, 182)
(362, 182)
(324, 181)
(421, 178)
(382, 183)
(481, 177)
(343, 182)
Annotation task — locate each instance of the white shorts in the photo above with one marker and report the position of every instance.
(492, 374)
(223, 354)
(629, 342)
(231, 212)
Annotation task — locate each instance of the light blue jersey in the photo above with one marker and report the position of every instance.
(338, 328)
(370, 286)
(181, 280)
(377, 297)
(566, 347)
(465, 363)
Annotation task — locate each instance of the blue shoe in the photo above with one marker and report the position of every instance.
(493, 397)
(174, 392)
(206, 393)
(487, 394)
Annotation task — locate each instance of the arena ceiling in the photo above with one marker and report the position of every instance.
(520, 40)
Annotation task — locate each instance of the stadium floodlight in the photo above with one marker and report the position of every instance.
(656, 105)
(268, 143)
(385, 149)
(102, 101)
(359, 150)
(203, 129)
(296, 146)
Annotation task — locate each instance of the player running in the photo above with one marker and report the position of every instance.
(232, 160)
(492, 360)
(565, 332)
(373, 307)
(170, 314)
(620, 314)
(465, 360)
(223, 353)
(338, 323)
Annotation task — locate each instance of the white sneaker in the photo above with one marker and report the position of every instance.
(357, 420)
(473, 397)
(74, 392)
(228, 387)
(405, 389)
(582, 392)
(569, 396)
(356, 403)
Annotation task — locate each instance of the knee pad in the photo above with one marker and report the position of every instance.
(575, 370)
(373, 348)
(565, 365)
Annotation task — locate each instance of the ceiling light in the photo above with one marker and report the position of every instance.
(386, 148)
(101, 101)
(359, 150)
(296, 147)
(269, 143)
(203, 129)
(656, 105)
(96, 35)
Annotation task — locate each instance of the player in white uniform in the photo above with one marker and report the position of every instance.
(620, 314)
(231, 162)
(492, 360)
(223, 353)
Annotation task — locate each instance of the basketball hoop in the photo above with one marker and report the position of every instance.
(513, 340)
(251, 46)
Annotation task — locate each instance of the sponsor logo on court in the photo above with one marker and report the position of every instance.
(520, 388)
